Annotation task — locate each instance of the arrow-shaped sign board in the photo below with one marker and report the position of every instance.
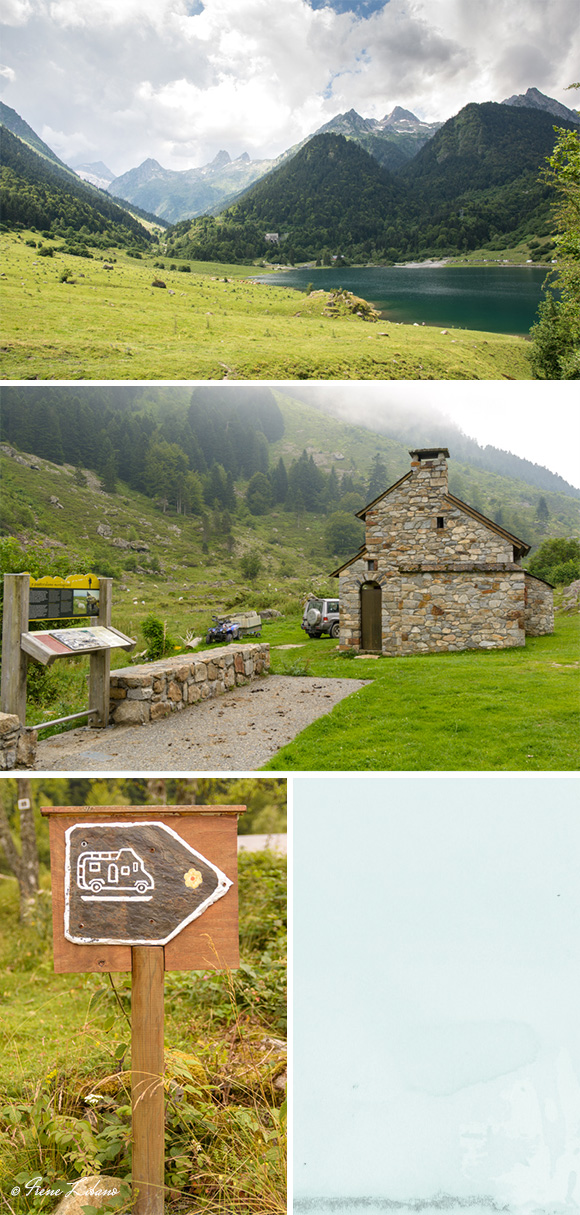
(134, 883)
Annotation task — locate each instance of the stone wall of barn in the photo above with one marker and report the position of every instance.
(433, 610)
(416, 523)
(145, 693)
(539, 607)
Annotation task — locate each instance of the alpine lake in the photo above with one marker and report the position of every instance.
(497, 299)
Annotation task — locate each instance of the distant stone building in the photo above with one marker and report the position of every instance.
(434, 574)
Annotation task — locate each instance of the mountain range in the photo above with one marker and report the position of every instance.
(39, 191)
(393, 141)
(360, 189)
(476, 181)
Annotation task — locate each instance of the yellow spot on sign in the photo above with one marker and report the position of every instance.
(193, 878)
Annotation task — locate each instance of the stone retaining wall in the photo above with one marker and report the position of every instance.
(17, 745)
(152, 690)
(539, 606)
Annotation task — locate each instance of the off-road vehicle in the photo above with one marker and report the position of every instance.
(321, 616)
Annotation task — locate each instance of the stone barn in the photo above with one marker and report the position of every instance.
(434, 574)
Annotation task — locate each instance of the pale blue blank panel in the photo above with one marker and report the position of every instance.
(437, 995)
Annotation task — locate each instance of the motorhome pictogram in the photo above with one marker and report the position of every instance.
(106, 874)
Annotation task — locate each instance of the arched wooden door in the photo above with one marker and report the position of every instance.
(370, 616)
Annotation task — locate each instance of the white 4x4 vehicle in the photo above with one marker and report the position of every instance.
(321, 616)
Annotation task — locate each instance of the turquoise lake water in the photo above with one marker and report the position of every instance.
(499, 299)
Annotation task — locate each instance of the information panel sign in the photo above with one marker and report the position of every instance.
(63, 598)
(46, 645)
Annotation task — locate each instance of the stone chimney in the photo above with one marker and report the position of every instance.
(429, 466)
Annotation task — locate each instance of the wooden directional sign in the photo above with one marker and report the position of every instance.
(144, 890)
(134, 884)
(126, 876)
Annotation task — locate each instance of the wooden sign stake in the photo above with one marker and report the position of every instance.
(147, 1096)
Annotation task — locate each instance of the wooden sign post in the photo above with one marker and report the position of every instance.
(145, 889)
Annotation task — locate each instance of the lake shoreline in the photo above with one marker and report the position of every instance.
(429, 264)
(492, 299)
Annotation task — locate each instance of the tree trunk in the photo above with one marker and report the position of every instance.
(24, 864)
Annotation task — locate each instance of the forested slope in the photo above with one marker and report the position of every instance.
(37, 193)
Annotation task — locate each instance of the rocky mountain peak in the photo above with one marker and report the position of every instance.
(535, 100)
(222, 158)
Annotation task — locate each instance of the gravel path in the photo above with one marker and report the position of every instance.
(237, 732)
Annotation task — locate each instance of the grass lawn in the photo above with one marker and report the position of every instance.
(497, 710)
(211, 324)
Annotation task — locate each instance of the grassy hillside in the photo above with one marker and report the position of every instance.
(210, 324)
(183, 567)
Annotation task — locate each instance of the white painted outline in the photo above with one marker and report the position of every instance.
(222, 888)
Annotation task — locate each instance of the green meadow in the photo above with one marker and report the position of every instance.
(68, 317)
(497, 710)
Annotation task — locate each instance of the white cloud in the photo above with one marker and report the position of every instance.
(178, 81)
(67, 144)
(16, 12)
(7, 75)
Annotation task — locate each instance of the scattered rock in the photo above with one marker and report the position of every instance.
(101, 1192)
(571, 597)
(104, 530)
(53, 500)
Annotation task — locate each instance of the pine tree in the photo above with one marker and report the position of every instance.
(378, 479)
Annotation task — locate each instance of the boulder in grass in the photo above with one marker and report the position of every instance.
(102, 1193)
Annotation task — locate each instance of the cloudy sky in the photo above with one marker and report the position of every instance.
(436, 989)
(536, 420)
(178, 80)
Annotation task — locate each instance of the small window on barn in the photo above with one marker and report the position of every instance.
(440, 522)
(372, 566)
